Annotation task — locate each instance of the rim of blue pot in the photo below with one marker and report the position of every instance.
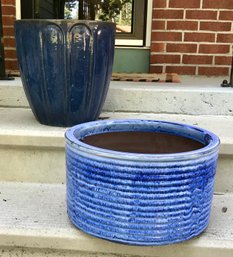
(75, 134)
(64, 20)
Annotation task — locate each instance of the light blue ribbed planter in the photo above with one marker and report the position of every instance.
(140, 198)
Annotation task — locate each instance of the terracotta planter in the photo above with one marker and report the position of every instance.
(66, 67)
(140, 182)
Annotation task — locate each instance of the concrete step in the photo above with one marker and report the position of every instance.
(193, 96)
(33, 222)
(31, 152)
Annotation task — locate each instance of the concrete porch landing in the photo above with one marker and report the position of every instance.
(193, 96)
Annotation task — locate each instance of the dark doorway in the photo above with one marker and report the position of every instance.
(42, 9)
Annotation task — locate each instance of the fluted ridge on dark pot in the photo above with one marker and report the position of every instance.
(66, 67)
(140, 198)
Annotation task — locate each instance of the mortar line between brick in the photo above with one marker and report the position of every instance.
(201, 4)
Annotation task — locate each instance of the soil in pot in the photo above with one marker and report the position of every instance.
(143, 142)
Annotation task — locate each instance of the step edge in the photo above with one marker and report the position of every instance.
(123, 96)
(85, 243)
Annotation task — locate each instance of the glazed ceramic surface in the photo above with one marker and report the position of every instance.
(140, 198)
(66, 67)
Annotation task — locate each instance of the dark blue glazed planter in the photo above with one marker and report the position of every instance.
(140, 182)
(66, 67)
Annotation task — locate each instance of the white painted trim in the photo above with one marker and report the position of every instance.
(18, 9)
(128, 42)
(149, 22)
(134, 42)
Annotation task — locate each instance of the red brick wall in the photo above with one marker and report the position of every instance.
(192, 37)
(8, 18)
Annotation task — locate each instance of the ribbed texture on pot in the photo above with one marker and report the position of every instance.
(143, 203)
